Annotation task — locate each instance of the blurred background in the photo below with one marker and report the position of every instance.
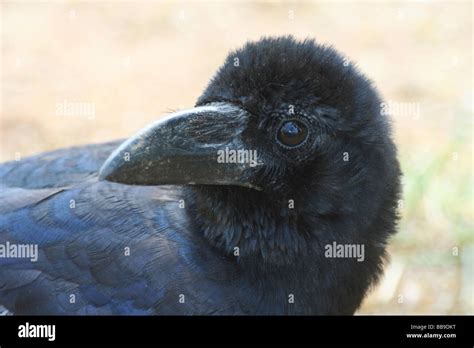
(83, 72)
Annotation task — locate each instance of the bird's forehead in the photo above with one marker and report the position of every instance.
(311, 113)
(282, 108)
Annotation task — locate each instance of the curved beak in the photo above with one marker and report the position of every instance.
(199, 146)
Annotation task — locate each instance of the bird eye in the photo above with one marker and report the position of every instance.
(292, 133)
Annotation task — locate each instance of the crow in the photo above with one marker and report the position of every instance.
(275, 195)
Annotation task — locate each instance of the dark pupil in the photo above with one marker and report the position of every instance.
(292, 133)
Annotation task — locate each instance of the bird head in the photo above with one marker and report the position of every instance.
(277, 112)
(282, 120)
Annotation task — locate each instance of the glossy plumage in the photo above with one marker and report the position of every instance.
(224, 244)
(82, 249)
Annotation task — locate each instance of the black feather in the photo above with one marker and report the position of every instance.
(192, 251)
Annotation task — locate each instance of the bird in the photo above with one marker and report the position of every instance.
(230, 207)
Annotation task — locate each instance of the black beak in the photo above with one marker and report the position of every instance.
(190, 147)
